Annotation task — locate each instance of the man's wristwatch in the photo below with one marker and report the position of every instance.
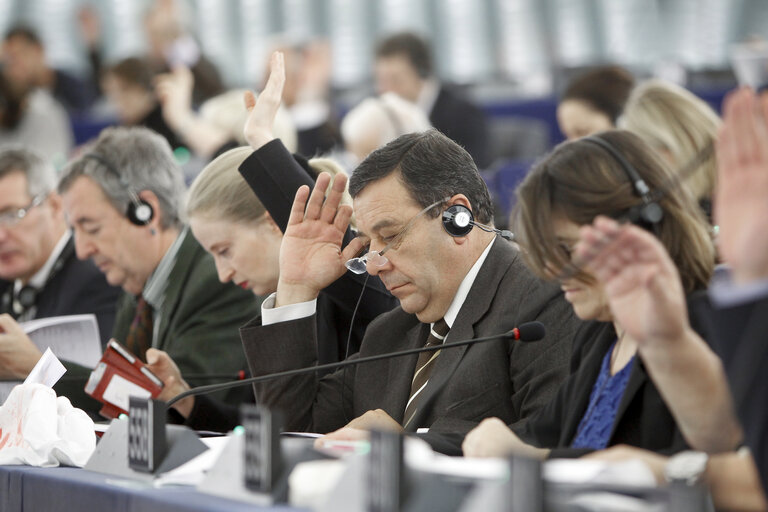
(686, 467)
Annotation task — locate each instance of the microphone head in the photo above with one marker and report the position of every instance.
(530, 331)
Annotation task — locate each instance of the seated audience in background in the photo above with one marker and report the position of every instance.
(404, 66)
(306, 95)
(470, 282)
(219, 124)
(593, 101)
(32, 118)
(374, 122)
(168, 26)
(123, 198)
(25, 68)
(619, 388)
(680, 126)
(128, 86)
(40, 274)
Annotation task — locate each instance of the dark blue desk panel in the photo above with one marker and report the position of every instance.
(28, 489)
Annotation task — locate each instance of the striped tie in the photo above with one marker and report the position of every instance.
(424, 366)
(139, 337)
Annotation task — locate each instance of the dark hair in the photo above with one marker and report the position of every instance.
(11, 109)
(431, 167)
(134, 71)
(606, 89)
(411, 46)
(26, 33)
(579, 180)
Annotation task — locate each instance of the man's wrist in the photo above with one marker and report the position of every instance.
(288, 294)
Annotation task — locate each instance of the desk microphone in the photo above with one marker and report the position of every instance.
(529, 331)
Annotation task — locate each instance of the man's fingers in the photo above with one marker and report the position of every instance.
(316, 199)
(299, 202)
(343, 214)
(332, 201)
(354, 248)
(8, 325)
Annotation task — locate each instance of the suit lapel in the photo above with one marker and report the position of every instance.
(475, 306)
(637, 378)
(176, 281)
(601, 341)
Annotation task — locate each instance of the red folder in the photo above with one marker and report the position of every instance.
(119, 375)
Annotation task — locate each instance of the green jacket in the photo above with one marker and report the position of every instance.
(198, 326)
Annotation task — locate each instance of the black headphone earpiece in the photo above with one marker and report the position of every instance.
(459, 221)
(139, 211)
(650, 212)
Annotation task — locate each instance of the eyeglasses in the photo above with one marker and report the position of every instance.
(360, 264)
(12, 217)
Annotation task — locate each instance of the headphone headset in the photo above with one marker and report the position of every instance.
(458, 221)
(27, 297)
(650, 212)
(139, 211)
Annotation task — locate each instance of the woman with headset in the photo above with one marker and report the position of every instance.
(610, 397)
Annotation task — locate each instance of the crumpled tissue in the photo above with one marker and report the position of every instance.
(38, 428)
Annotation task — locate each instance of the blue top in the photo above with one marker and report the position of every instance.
(595, 426)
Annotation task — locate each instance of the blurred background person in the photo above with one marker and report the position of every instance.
(26, 68)
(680, 126)
(218, 125)
(307, 95)
(32, 118)
(593, 101)
(403, 65)
(374, 122)
(129, 88)
(168, 27)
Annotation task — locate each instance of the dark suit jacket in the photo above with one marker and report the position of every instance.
(463, 122)
(740, 341)
(78, 288)
(642, 420)
(497, 378)
(198, 325)
(275, 175)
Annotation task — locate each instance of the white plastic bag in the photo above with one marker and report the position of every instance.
(39, 429)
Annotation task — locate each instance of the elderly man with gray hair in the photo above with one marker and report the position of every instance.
(39, 274)
(123, 197)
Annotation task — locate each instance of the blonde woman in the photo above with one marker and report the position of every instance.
(678, 125)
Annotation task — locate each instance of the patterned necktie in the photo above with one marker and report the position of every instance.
(424, 366)
(139, 337)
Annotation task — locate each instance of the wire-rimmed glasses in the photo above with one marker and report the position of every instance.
(359, 265)
(12, 217)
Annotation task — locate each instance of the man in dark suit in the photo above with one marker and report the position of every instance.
(404, 66)
(468, 282)
(124, 198)
(41, 277)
